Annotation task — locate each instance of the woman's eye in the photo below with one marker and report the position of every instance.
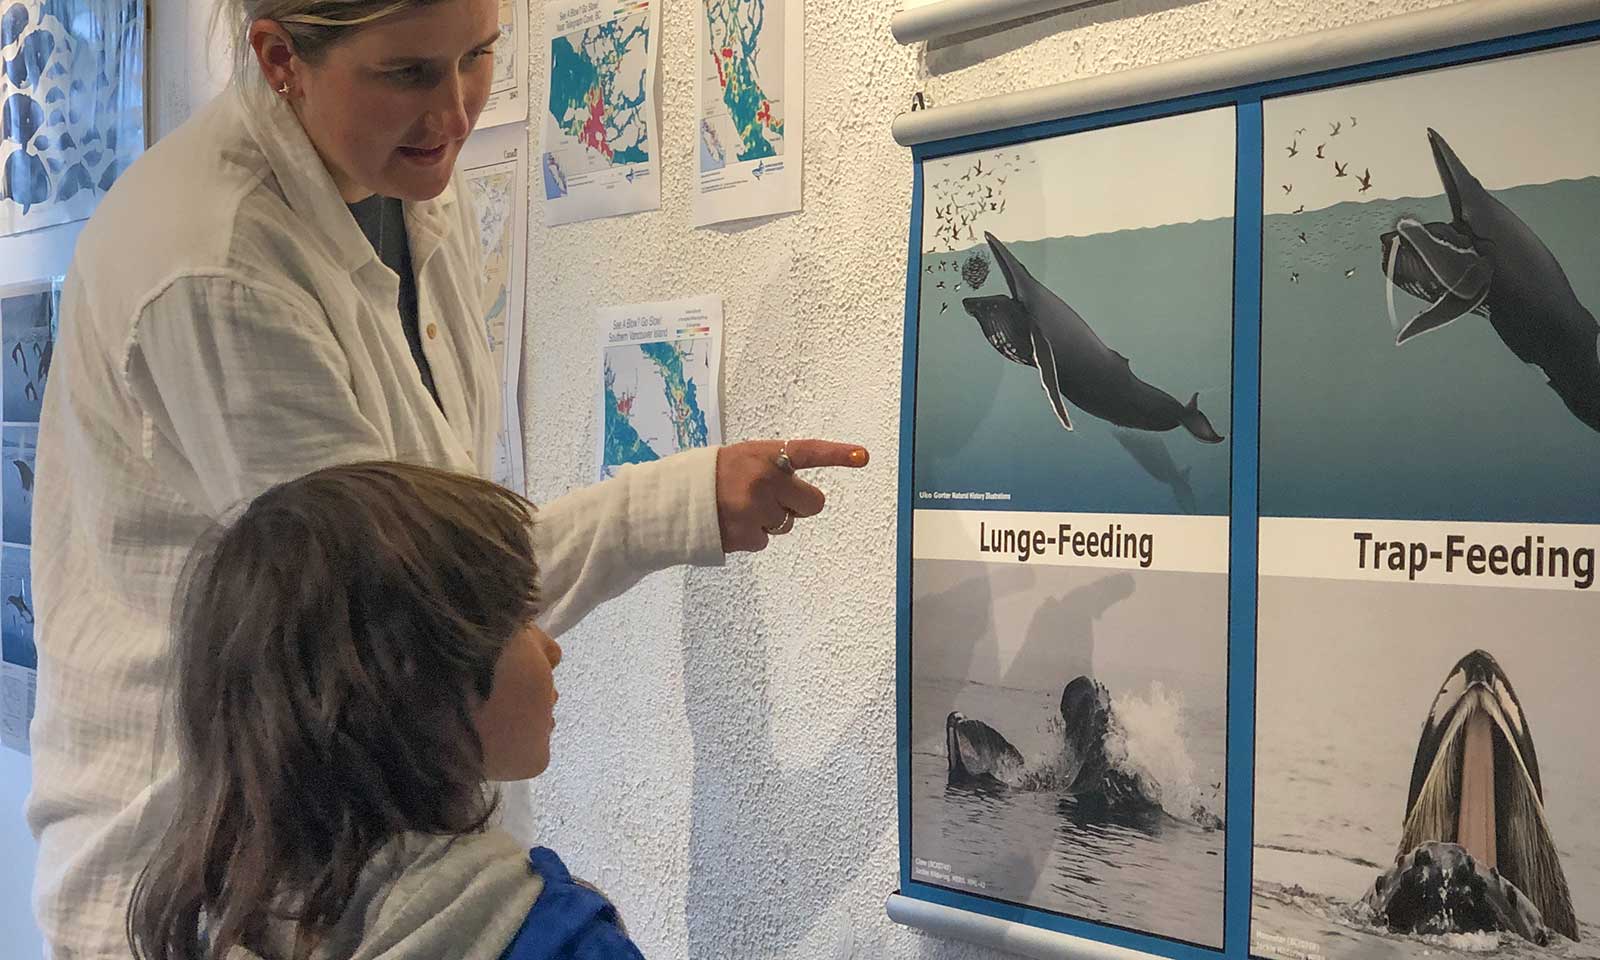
(412, 76)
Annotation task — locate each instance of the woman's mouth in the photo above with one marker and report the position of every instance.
(422, 156)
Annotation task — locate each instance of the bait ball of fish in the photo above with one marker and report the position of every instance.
(975, 270)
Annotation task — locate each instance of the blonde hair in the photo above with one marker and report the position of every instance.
(314, 26)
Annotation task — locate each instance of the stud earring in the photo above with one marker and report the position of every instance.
(284, 89)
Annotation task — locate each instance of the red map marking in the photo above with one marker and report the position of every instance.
(722, 78)
(625, 404)
(764, 115)
(593, 133)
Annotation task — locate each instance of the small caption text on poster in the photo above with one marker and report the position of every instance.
(936, 872)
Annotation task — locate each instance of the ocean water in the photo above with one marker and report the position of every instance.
(1450, 425)
(1346, 674)
(1159, 871)
(1162, 297)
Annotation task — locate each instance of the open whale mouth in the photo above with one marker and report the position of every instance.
(1438, 263)
(1476, 783)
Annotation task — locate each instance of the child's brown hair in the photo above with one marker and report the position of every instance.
(331, 644)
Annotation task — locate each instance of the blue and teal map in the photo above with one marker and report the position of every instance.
(653, 400)
(599, 92)
(745, 48)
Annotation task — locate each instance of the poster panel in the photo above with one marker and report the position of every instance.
(71, 106)
(1069, 549)
(28, 323)
(1430, 432)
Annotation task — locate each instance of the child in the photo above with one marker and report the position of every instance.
(356, 659)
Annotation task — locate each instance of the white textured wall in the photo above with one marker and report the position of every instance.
(724, 764)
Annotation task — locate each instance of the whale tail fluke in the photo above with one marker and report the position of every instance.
(1196, 422)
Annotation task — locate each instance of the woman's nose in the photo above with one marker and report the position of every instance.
(451, 108)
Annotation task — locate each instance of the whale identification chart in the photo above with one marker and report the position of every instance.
(1070, 531)
(1248, 520)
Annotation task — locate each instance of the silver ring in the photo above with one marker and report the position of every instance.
(784, 463)
(784, 527)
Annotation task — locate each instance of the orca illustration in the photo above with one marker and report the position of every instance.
(1036, 328)
(1475, 787)
(1487, 261)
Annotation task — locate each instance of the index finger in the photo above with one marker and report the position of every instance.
(805, 454)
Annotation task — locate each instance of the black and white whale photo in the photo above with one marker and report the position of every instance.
(1068, 744)
(1426, 768)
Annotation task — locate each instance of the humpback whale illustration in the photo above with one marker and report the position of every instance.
(1036, 328)
(974, 751)
(1487, 261)
(1475, 852)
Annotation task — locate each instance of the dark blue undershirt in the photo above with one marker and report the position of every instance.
(383, 221)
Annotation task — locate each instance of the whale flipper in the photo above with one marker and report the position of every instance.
(1005, 324)
(1045, 359)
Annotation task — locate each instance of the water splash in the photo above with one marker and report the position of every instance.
(1147, 742)
(1359, 917)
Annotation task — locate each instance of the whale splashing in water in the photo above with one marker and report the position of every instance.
(1114, 756)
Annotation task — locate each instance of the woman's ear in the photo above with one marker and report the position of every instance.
(274, 50)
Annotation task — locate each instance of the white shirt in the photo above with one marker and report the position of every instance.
(227, 326)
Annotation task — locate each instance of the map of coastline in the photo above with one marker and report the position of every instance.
(740, 45)
(598, 94)
(654, 372)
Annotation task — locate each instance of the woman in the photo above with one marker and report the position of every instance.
(227, 325)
